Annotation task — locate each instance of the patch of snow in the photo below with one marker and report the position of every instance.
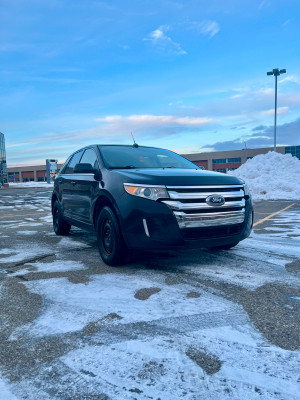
(68, 242)
(271, 176)
(56, 266)
(27, 232)
(20, 224)
(5, 392)
(272, 250)
(70, 307)
(21, 253)
(6, 251)
(48, 218)
(32, 184)
(159, 366)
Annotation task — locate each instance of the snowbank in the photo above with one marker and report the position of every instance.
(32, 184)
(271, 176)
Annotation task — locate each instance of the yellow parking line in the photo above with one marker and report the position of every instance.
(272, 215)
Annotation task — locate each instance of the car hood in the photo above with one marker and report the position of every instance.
(176, 177)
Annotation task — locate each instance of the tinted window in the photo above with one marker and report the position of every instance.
(64, 167)
(234, 159)
(74, 160)
(90, 157)
(143, 157)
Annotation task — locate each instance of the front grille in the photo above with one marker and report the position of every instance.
(192, 211)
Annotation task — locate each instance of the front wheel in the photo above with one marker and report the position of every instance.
(60, 226)
(110, 242)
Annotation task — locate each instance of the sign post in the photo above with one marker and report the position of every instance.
(51, 168)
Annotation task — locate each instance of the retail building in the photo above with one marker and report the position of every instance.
(35, 173)
(223, 161)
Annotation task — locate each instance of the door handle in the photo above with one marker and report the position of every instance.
(74, 183)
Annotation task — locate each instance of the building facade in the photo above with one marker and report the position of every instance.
(3, 169)
(219, 161)
(36, 173)
(223, 161)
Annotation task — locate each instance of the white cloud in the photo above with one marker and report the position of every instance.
(292, 98)
(159, 39)
(210, 28)
(237, 96)
(158, 34)
(291, 78)
(110, 129)
(190, 150)
(156, 120)
(265, 92)
(280, 111)
(264, 3)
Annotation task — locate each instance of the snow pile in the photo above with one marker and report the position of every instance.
(271, 176)
(31, 184)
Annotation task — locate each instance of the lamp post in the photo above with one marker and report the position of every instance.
(276, 72)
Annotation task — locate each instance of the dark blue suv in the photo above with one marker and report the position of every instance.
(138, 197)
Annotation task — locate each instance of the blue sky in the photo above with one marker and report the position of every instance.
(184, 75)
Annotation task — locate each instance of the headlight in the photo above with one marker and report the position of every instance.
(147, 192)
(246, 190)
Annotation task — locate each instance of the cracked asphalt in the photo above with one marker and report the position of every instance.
(74, 328)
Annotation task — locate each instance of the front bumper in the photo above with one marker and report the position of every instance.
(153, 225)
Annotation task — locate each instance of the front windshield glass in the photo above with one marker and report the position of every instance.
(118, 157)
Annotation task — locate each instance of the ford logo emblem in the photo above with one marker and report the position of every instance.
(215, 200)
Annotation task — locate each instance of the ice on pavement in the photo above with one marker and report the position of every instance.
(19, 254)
(160, 366)
(5, 393)
(55, 266)
(271, 176)
(32, 184)
(71, 307)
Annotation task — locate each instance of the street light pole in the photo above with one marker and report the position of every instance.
(276, 72)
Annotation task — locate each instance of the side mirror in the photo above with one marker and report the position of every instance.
(97, 175)
(86, 168)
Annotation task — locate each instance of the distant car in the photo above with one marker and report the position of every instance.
(138, 197)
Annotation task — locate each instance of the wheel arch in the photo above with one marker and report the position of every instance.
(104, 201)
(53, 199)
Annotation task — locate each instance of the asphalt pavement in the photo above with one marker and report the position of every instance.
(194, 324)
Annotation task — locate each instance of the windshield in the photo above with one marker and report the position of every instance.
(118, 157)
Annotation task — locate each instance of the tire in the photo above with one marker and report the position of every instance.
(60, 226)
(110, 242)
(225, 246)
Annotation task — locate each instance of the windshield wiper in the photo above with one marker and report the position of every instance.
(124, 167)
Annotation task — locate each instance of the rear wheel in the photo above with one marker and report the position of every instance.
(60, 226)
(111, 245)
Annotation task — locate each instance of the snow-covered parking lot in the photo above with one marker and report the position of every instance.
(188, 324)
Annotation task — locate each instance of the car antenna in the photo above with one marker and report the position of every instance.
(134, 143)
